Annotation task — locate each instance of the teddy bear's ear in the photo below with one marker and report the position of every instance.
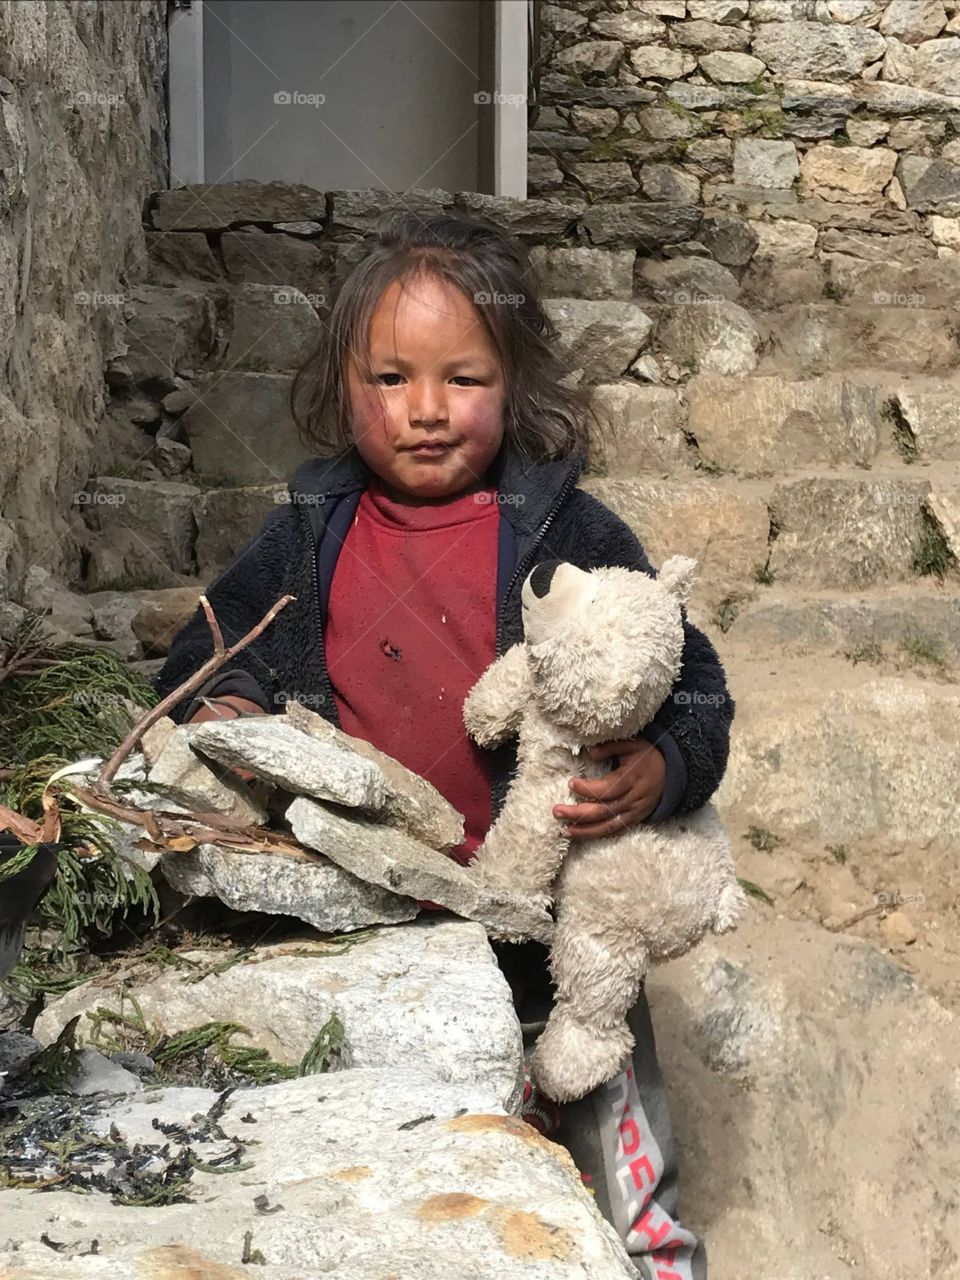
(677, 574)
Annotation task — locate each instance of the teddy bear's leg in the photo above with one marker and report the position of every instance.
(586, 1039)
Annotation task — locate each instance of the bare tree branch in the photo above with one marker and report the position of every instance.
(217, 659)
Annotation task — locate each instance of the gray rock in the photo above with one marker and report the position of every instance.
(395, 861)
(17, 1051)
(812, 622)
(230, 204)
(707, 37)
(762, 162)
(585, 273)
(410, 802)
(314, 890)
(714, 337)
(141, 1064)
(196, 785)
(359, 210)
(669, 182)
(276, 750)
(641, 224)
(934, 187)
(681, 281)
(357, 1167)
(272, 328)
(817, 50)
(542, 219)
(142, 529)
(241, 431)
(167, 331)
(846, 532)
(736, 68)
(913, 20)
(644, 426)
(98, 1074)
(731, 240)
(601, 338)
(260, 257)
(428, 996)
(737, 1020)
(174, 257)
(763, 424)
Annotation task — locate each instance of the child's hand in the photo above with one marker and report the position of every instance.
(626, 795)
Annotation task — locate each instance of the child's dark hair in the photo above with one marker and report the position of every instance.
(543, 418)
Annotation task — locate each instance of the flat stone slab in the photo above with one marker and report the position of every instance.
(354, 1175)
(316, 891)
(429, 996)
(397, 862)
(410, 801)
(281, 754)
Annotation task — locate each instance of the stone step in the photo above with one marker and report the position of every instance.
(919, 622)
(849, 528)
(825, 748)
(820, 337)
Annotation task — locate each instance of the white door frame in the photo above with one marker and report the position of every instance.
(511, 53)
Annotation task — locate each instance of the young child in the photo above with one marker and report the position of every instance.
(448, 453)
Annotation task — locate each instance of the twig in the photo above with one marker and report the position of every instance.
(856, 917)
(214, 662)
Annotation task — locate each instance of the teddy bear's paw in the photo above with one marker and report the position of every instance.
(573, 1057)
(732, 904)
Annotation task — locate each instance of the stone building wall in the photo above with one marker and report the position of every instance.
(82, 141)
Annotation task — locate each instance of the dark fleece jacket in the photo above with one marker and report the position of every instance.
(544, 516)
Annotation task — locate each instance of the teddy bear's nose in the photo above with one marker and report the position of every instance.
(542, 576)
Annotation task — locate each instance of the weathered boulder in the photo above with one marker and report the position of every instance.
(874, 758)
(229, 204)
(143, 530)
(599, 338)
(719, 337)
(410, 802)
(241, 431)
(227, 519)
(428, 995)
(314, 890)
(762, 424)
(826, 1076)
(644, 427)
(725, 529)
(847, 532)
(347, 1171)
(584, 273)
(383, 856)
(277, 751)
(196, 784)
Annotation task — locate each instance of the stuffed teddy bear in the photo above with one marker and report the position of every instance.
(601, 652)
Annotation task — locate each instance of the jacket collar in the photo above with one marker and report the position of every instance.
(527, 489)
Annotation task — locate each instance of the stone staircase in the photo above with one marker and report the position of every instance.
(807, 453)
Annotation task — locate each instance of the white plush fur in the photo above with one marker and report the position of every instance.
(601, 653)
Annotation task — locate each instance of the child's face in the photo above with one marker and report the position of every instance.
(433, 376)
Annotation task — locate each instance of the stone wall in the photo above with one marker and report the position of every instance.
(82, 141)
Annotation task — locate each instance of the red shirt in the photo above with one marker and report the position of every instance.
(410, 628)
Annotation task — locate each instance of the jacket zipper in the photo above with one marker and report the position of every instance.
(568, 484)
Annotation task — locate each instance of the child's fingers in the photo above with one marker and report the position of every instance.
(612, 786)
